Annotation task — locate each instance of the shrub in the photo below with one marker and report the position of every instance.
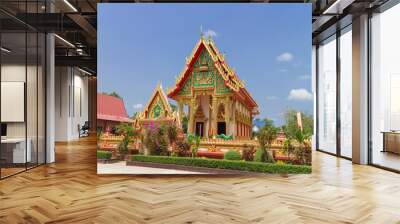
(182, 148)
(288, 147)
(127, 132)
(232, 155)
(194, 142)
(303, 153)
(104, 154)
(172, 135)
(123, 146)
(248, 154)
(263, 155)
(225, 164)
(259, 156)
(156, 141)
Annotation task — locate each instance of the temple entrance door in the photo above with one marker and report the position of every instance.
(200, 129)
(221, 128)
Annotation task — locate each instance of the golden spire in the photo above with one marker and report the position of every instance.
(201, 32)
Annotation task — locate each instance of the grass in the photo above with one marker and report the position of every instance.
(274, 168)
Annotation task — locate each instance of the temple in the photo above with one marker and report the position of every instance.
(157, 111)
(217, 100)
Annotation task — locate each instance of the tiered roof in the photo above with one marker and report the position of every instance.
(231, 79)
(111, 108)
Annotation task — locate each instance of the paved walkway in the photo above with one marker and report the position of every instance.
(122, 168)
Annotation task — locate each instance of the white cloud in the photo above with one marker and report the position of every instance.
(272, 97)
(138, 106)
(286, 56)
(304, 77)
(210, 33)
(255, 129)
(300, 95)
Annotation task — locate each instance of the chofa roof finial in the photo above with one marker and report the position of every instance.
(201, 32)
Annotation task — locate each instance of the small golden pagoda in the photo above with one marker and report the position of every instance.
(157, 111)
(217, 100)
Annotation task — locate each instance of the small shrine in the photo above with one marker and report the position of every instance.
(157, 111)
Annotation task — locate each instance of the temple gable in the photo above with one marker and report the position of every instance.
(204, 74)
(158, 106)
(157, 109)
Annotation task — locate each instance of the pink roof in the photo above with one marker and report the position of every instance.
(111, 108)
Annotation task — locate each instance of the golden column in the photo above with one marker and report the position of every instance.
(180, 111)
(192, 111)
(227, 105)
(214, 116)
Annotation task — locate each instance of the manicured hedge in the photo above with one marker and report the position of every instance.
(225, 164)
(103, 154)
(232, 155)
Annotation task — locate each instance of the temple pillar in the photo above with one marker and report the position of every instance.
(228, 116)
(214, 116)
(239, 133)
(192, 111)
(180, 111)
(234, 121)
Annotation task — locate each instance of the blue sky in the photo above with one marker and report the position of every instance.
(269, 45)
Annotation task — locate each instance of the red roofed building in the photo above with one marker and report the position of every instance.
(110, 112)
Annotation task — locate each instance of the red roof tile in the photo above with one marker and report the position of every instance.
(111, 108)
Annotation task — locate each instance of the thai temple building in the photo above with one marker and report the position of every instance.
(217, 101)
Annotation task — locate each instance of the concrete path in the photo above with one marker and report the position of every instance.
(122, 168)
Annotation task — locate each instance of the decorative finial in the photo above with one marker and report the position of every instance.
(201, 32)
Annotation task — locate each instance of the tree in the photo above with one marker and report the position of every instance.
(291, 128)
(127, 131)
(268, 132)
(194, 142)
(135, 115)
(297, 140)
(265, 138)
(115, 94)
(288, 147)
(156, 140)
(303, 150)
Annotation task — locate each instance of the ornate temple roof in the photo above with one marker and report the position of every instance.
(158, 94)
(228, 74)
